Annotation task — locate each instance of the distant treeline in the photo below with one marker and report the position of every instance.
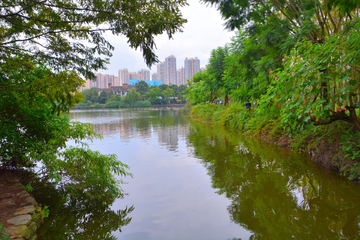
(141, 96)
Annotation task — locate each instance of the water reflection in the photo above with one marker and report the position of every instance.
(263, 192)
(79, 217)
(167, 124)
(275, 194)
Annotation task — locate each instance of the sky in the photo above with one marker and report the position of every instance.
(203, 32)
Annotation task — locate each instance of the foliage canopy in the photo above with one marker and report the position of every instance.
(68, 34)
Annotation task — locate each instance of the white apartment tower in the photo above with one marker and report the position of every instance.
(145, 74)
(154, 77)
(123, 76)
(117, 81)
(134, 75)
(104, 80)
(161, 72)
(170, 70)
(111, 80)
(192, 66)
(180, 76)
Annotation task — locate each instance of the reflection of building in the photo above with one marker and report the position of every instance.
(110, 123)
(182, 132)
(126, 128)
(168, 136)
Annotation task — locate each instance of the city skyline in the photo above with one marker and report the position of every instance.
(167, 73)
(203, 32)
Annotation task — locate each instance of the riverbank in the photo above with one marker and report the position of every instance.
(334, 146)
(20, 215)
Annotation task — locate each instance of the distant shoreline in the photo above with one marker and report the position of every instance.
(152, 106)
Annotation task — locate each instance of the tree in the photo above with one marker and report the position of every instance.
(154, 95)
(34, 134)
(133, 96)
(67, 34)
(102, 97)
(169, 92)
(276, 40)
(202, 88)
(45, 46)
(182, 88)
(300, 87)
(93, 95)
(142, 87)
(314, 19)
(217, 68)
(163, 87)
(114, 98)
(85, 93)
(176, 89)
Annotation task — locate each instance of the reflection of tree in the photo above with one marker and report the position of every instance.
(276, 195)
(78, 217)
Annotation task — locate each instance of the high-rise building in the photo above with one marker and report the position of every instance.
(117, 81)
(170, 70)
(134, 75)
(145, 74)
(180, 77)
(192, 66)
(154, 77)
(98, 79)
(161, 72)
(111, 80)
(104, 80)
(123, 76)
(87, 84)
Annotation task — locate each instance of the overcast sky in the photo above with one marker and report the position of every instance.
(203, 32)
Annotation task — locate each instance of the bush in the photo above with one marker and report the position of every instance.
(98, 106)
(123, 104)
(350, 145)
(112, 104)
(85, 103)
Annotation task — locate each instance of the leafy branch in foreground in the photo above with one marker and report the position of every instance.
(67, 34)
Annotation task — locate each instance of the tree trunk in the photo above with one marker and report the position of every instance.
(226, 99)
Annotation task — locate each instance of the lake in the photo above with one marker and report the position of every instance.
(195, 180)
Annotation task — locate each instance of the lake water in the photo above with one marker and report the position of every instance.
(195, 180)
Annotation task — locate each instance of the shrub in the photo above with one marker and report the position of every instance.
(86, 103)
(112, 104)
(123, 104)
(98, 106)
